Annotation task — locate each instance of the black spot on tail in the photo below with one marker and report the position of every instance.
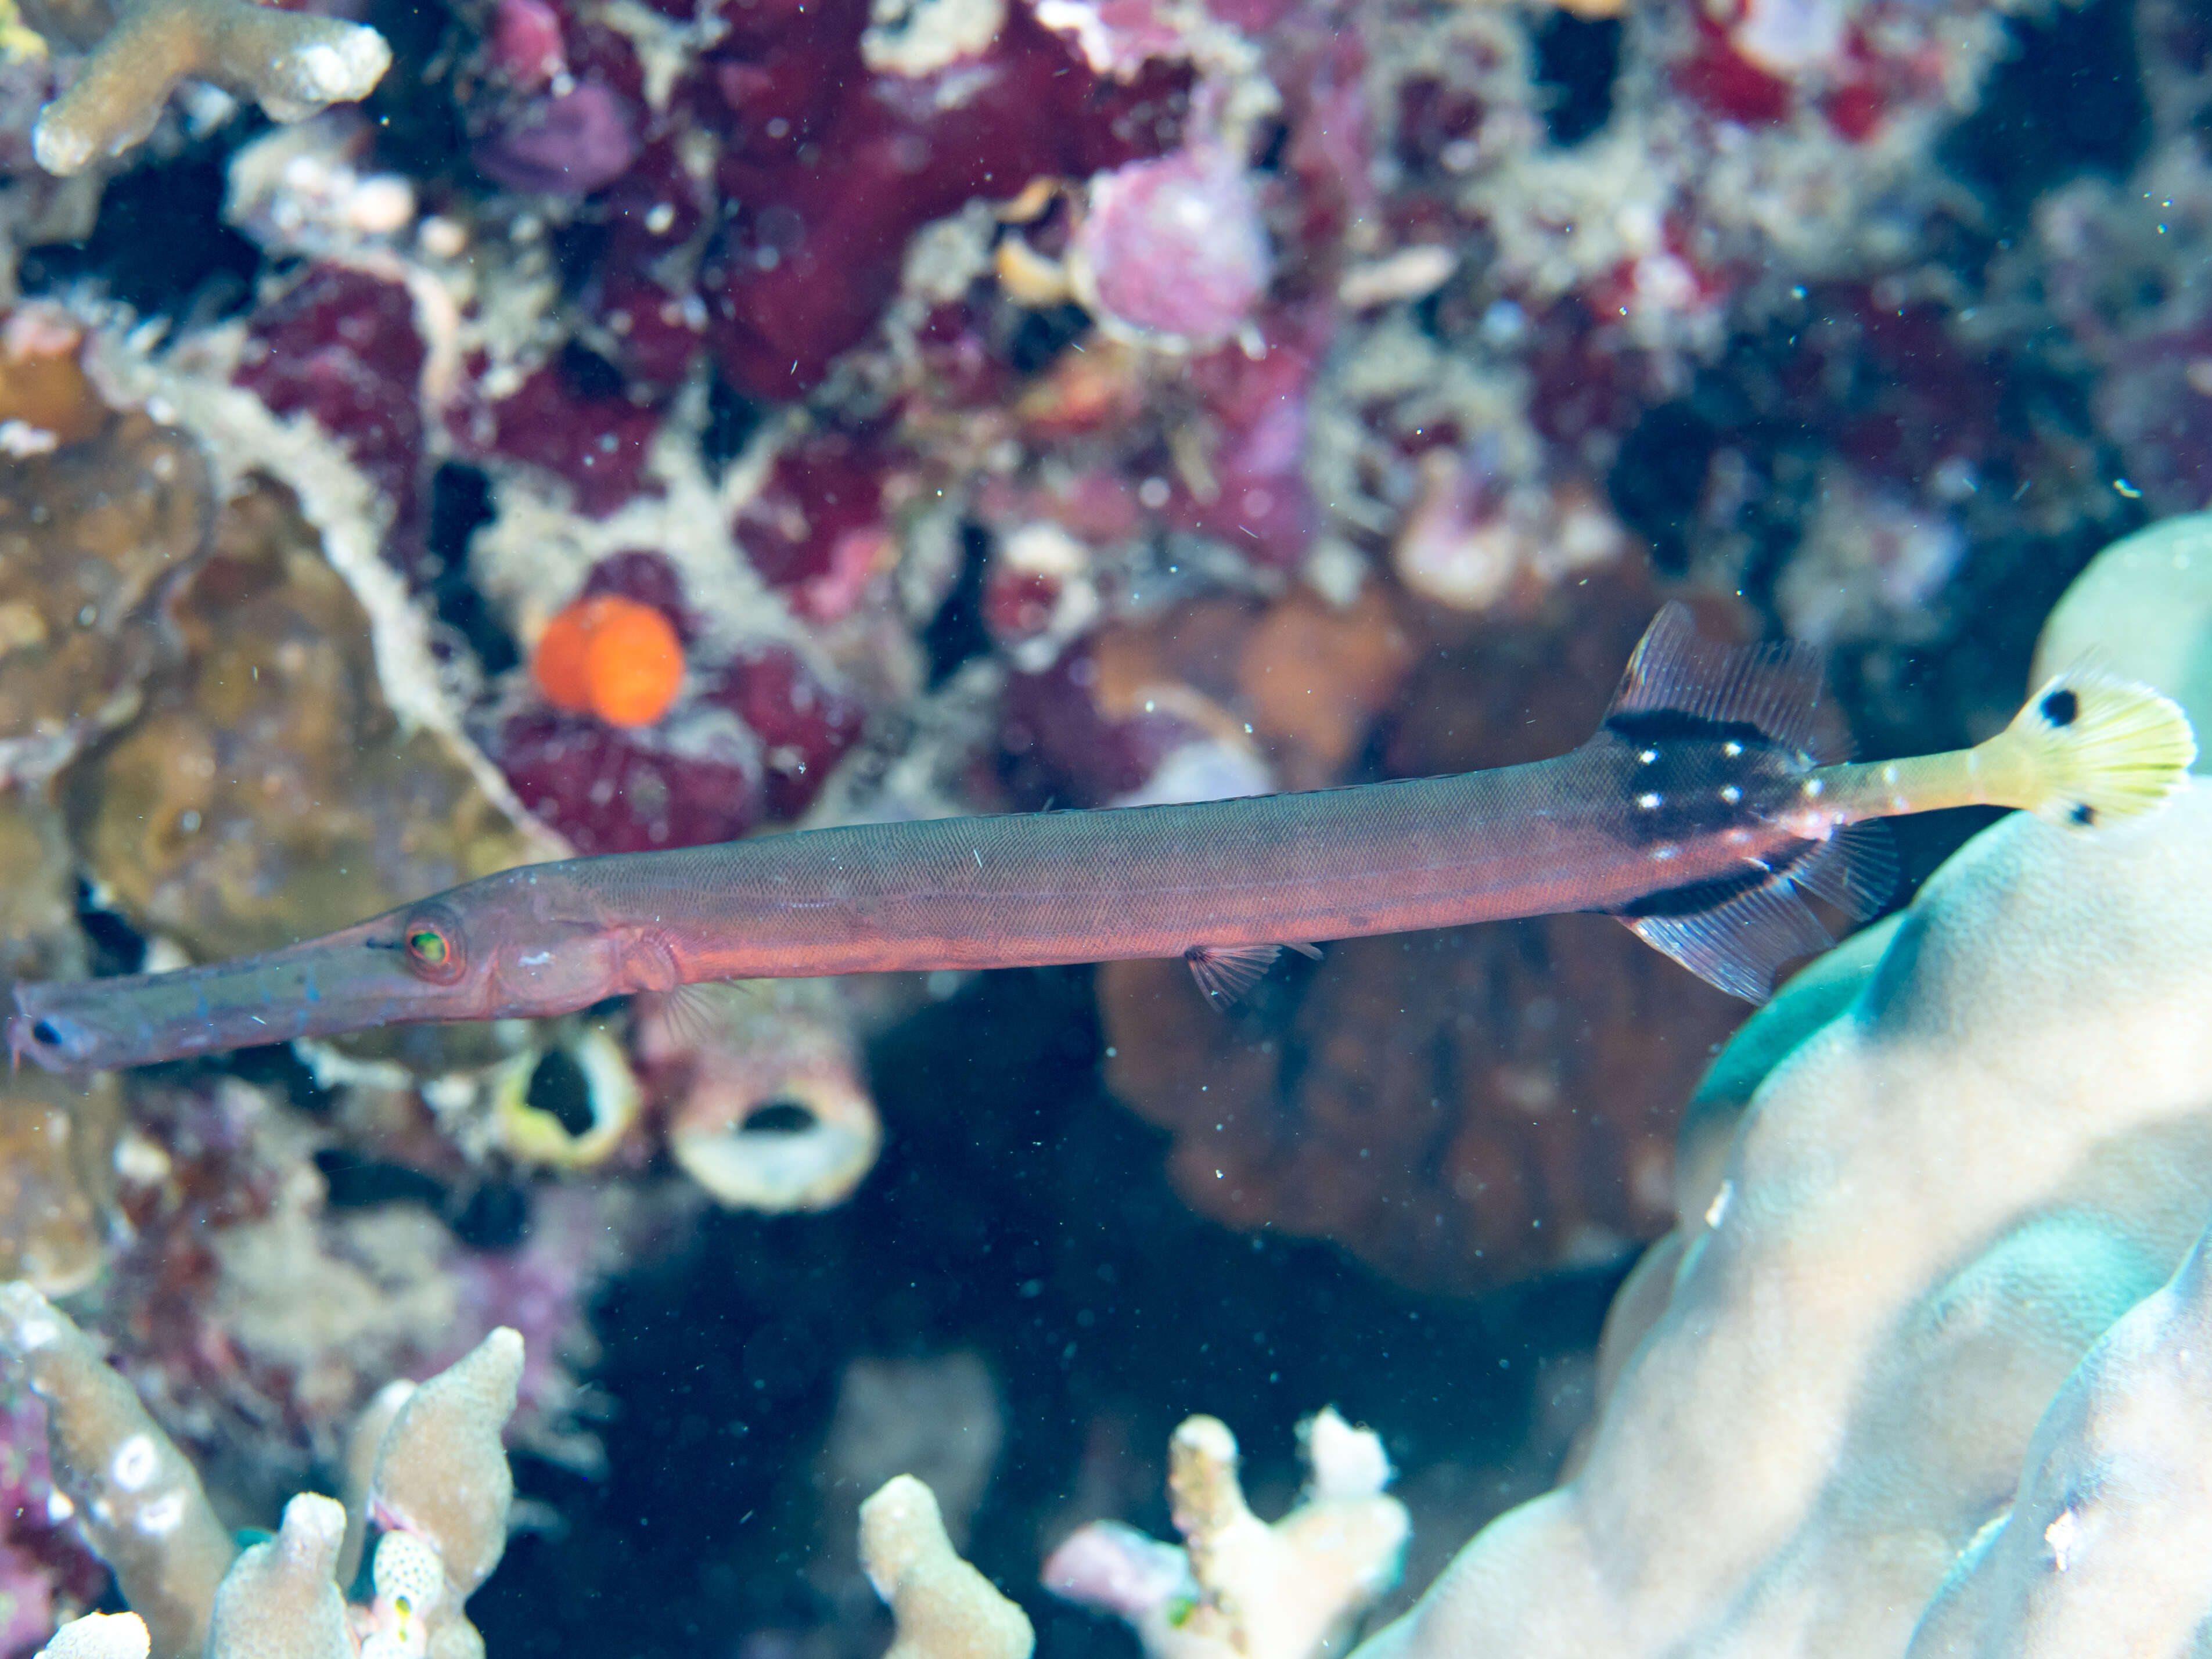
(2062, 707)
(2083, 815)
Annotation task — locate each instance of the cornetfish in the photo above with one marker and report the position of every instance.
(1699, 814)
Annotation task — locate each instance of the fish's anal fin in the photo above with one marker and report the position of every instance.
(1855, 869)
(1775, 688)
(1227, 973)
(1741, 943)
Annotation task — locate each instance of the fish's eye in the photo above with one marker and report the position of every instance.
(433, 949)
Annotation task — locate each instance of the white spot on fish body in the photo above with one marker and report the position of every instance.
(1648, 755)
(978, 852)
(1731, 749)
(1731, 795)
(1649, 801)
(1662, 854)
(537, 960)
(1813, 789)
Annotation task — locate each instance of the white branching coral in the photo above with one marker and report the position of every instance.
(293, 65)
(1241, 1588)
(100, 1636)
(946, 1609)
(138, 1500)
(438, 1499)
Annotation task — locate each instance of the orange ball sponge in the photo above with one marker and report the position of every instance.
(611, 657)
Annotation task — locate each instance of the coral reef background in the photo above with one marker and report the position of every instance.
(973, 405)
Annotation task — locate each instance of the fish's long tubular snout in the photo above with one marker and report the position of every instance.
(346, 981)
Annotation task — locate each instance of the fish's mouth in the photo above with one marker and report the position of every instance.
(55, 1040)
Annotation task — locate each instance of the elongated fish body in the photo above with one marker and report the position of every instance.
(1696, 815)
(995, 892)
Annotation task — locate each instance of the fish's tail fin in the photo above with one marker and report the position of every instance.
(2090, 748)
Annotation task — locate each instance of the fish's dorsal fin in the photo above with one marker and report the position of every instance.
(1776, 688)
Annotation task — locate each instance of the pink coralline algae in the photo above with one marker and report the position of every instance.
(632, 792)
(557, 110)
(1730, 84)
(831, 167)
(341, 345)
(816, 529)
(526, 42)
(805, 727)
(1257, 498)
(1173, 249)
(636, 574)
(592, 436)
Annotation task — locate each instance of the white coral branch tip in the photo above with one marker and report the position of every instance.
(101, 1636)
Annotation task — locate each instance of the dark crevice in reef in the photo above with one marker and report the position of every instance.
(460, 505)
(956, 633)
(1577, 61)
(2069, 100)
(160, 244)
(417, 120)
(1659, 477)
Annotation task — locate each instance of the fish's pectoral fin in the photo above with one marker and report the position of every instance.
(1310, 953)
(1226, 973)
(692, 1012)
(1741, 943)
(1775, 688)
